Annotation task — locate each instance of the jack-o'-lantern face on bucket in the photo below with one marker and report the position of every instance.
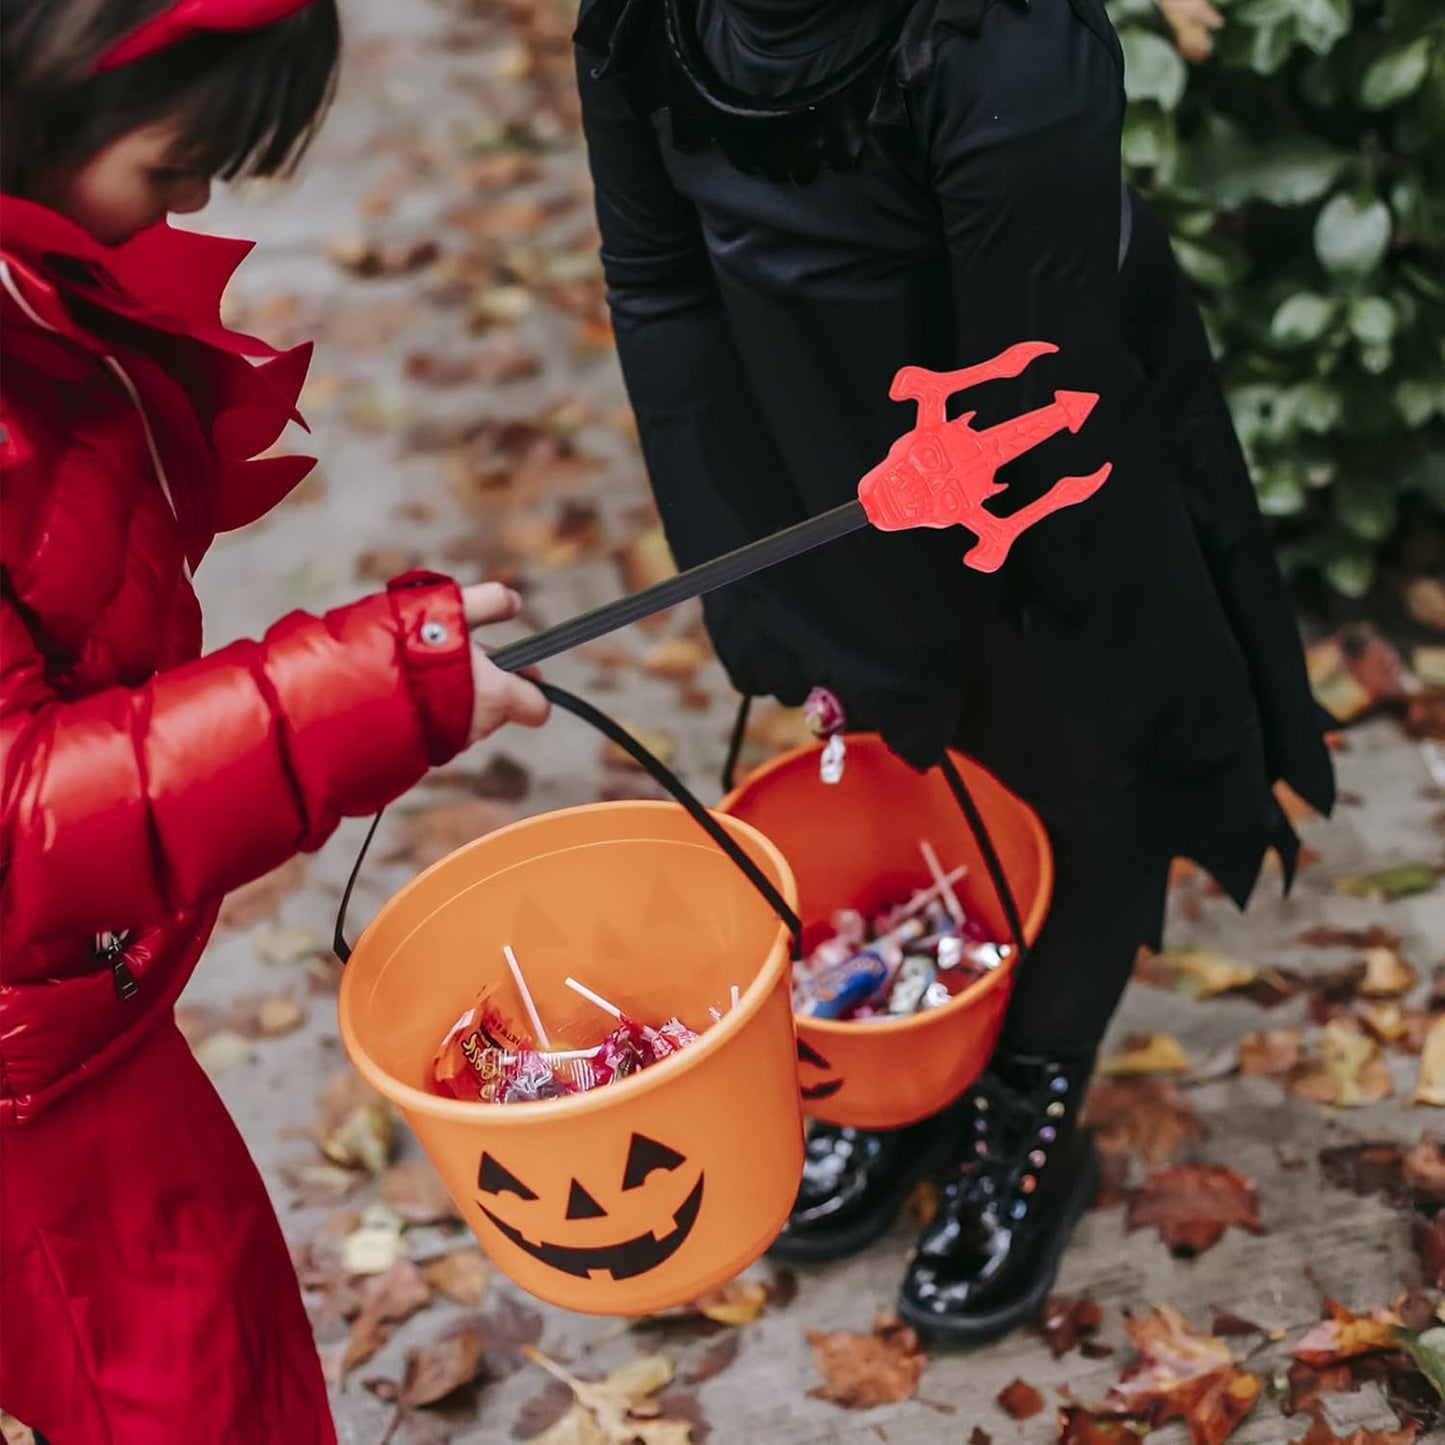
(643, 1201)
(824, 1088)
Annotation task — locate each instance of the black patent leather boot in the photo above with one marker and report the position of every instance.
(855, 1182)
(1027, 1172)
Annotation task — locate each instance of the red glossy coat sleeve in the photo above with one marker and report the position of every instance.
(124, 807)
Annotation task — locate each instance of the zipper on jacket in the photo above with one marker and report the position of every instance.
(111, 947)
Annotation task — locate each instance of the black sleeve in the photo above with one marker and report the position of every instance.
(1021, 127)
(698, 418)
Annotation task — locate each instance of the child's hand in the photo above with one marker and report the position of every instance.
(498, 697)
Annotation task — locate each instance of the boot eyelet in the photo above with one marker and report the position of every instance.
(1028, 1184)
(980, 1148)
(1018, 1209)
(980, 1126)
(981, 1104)
(1058, 1085)
(1048, 1133)
(1055, 1110)
(986, 1184)
(1036, 1158)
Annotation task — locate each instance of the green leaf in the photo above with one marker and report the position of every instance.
(1389, 885)
(1417, 401)
(1270, 48)
(1153, 69)
(1322, 24)
(1373, 321)
(1396, 75)
(1351, 237)
(1428, 1352)
(1302, 319)
(1214, 264)
(1280, 492)
(1227, 171)
(1366, 507)
(1351, 573)
(1311, 406)
(1149, 140)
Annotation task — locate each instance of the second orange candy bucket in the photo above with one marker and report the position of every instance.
(855, 844)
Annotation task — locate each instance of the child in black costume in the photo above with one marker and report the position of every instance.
(796, 198)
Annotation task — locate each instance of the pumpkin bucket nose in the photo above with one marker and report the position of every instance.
(855, 844)
(653, 1190)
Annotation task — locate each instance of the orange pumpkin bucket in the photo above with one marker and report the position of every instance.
(855, 844)
(650, 1191)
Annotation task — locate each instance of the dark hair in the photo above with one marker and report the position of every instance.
(249, 101)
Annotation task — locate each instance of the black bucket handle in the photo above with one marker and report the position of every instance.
(656, 769)
(962, 796)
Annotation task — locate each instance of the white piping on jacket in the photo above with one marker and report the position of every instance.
(129, 387)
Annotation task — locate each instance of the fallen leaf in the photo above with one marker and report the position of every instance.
(1228, 1325)
(1199, 972)
(782, 1288)
(1427, 1349)
(503, 780)
(385, 1299)
(1184, 1375)
(381, 564)
(318, 1184)
(739, 1302)
(1193, 23)
(260, 901)
(1192, 1205)
(1428, 664)
(429, 835)
(1344, 1335)
(221, 1051)
(461, 1275)
(509, 1329)
(677, 658)
(1079, 1426)
(439, 1369)
(862, 1371)
(1020, 1400)
(1328, 936)
(617, 1410)
(1151, 1117)
(364, 256)
(1425, 601)
(1272, 1053)
(1425, 715)
(1387, 975)
(1427, 1234)
(716, 1358)
(280, 1014)
(1354, 672)
(543, 1411)
(283, 946)
(979, 1436)
(658, 743)
(356, 1128)
(922, 1204)
(1320, 1434)
(1371, 1167)
(415, 1191)
(1351, 1071)
(646, 560)
(1385, 1020)
(1147, 1054)
(375, 1245)
(1389, 885)
(499, 305)
(1430, 1087)
(1424, 1171)
(1064, 1322)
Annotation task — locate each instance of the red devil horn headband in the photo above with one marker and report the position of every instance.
(191, 17)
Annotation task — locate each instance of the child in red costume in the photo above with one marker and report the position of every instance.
(146, 1294)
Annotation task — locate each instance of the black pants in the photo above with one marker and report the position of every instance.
(1109, 897)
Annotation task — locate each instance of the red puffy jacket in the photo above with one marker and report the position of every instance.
(141, 780)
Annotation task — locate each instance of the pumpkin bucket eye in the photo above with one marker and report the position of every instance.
(644, 1155)
(809, 1055)
(493, 1179)
(581, 1205)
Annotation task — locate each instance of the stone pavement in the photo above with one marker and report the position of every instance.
(412, 144)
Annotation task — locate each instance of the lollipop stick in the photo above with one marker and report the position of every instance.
(526, 996)
(594, 998)
(735, 995)
(941, 883)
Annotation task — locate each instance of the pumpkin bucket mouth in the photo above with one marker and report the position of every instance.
(653, 1190)
(855, 844)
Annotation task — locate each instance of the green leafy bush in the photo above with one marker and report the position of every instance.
(1301, 169)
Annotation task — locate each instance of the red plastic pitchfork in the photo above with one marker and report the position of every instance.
(938, 474)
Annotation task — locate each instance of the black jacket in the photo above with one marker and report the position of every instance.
(950, 186)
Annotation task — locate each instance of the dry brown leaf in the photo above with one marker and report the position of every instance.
(1193, 1204)
(1272, 1053)
(1369, 1167)
(1328, 936)
(1425, 714)
(356, 1129)
(428, 836)
(716, 1358)
(1354, 672)
(617, 1410)
(461, 1275)
(1344, 1335)
(280, 1014)
(1079, 1426)
(259, 902)
(1065, 1322)
(503, 780)
(1430, 1087)
(386, 1299)
(739, 1302)
(1184, 1375)
(285, 946)
(1350, 1072)
(381, 564)
(1147, 1054)
(1425, 599)
(1199, 972)
(1424, 1170)
(862, 1371)
(922, 1205)
(646, 560)
(1020, 1401)
(415, 1191)
(1385, 1020)
(1148, 1116)
(1387, 975)
(441, 1368)
(677, 658)
(1193, 23)
(365, 256)
(658, 743)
